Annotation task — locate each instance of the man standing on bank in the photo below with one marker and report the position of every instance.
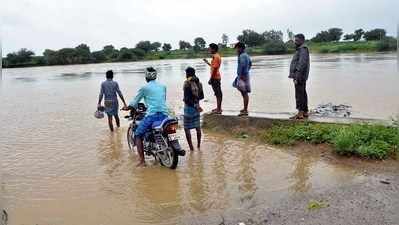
(242, 81)
(215, 80)
(299, 72)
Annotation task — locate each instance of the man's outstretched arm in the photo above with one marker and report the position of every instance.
(120, 94)
(136, 100)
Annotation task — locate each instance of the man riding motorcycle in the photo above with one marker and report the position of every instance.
(154, 95)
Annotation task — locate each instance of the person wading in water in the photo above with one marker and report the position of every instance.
(109, 91)
(193, 93)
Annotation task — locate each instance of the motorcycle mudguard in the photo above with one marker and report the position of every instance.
(176, 146)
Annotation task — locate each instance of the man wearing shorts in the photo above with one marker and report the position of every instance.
(154, 96)
(242, 81)
(110, 92)
(215, 80)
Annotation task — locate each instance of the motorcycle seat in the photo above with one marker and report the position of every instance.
(159, 124)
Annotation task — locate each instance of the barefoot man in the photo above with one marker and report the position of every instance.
(242, 81)
(215, 80)
(110, 92)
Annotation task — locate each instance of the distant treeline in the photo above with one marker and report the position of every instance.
(268, 42)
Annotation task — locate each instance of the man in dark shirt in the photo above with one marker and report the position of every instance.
(193, 94)
(299, 72)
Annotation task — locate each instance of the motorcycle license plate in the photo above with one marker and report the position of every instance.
(172, 137)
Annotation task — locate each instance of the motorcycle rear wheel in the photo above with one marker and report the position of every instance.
(168, 158)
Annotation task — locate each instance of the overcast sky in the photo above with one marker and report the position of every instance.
(54, 24)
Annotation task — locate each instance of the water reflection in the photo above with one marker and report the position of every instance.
(302, 173)
(221, 173)
(110, 152)
(73, 76)
(25, 79)
(198, 185)
(246, 175)
(156, 199)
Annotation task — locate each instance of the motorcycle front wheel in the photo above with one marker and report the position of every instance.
(130, 141)
(168, 158)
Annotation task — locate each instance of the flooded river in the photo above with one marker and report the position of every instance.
(62, 166)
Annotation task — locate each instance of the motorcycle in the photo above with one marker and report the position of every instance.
(161, 141)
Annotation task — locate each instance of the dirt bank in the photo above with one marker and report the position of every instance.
(374, 200)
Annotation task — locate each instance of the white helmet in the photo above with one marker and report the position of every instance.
(150, 73)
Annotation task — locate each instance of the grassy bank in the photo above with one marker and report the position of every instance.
(326, 47)
(368, 141)
(344, 47)
(278, 48)
(353, 47)
(191, 54)
(374, 140)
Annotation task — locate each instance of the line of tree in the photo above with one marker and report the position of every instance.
(267, 42)
(251, 38)
(82, 54)
(335, 34)
(270, 41)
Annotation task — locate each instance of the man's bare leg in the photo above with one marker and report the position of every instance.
(188, 137)
(140, 151)
(199, 136)
(111, 126)
(245, 98)
(219, 100)
(118, 123)
(246, 102)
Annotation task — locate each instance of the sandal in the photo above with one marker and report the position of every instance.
(297, 117)
(217, 112)
(243, 113)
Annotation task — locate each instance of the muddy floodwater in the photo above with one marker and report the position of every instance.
(62, 166)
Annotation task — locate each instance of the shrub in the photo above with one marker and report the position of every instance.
(275, 48)
(324, 50)
(377, 149)
(290, 45)
(343, 142)
(279, 135)
(387, 44)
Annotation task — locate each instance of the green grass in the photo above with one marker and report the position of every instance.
(387, 44)
(364, 140)
(326, 47)
(315, 205)
(344, 47)
(191, 54)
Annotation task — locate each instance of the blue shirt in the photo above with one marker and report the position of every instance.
(244, 64)
(154, 95)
